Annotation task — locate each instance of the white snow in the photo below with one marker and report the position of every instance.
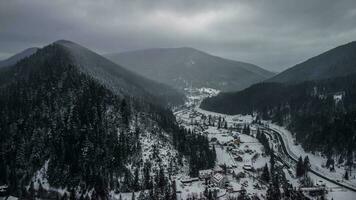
(317, 162)
(192, 116)
(249, 149)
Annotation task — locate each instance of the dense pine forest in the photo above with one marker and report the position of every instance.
(320, 113)
(57, 117)
(196, 147)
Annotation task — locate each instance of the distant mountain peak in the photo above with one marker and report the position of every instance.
(62, 41)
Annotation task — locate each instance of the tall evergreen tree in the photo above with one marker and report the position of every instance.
(265, 174)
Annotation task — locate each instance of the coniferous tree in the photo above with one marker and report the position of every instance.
(133, 196)
(136, 184)
(346, 176)
(300, 167)
(265, 174)
(306, 165)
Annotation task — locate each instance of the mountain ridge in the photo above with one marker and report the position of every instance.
(186, 66)
(68, 134)
(115, 76)
(339, 61)
(19, 56)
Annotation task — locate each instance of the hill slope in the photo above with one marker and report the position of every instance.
(67, 128)
(340, 61)
(184, 67)
(316, 100)
(67, 132)
(316, 111)
(117, 78)
(17, 57)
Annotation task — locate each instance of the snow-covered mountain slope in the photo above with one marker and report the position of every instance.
(74, 132)
(17, 57)
(185, 67)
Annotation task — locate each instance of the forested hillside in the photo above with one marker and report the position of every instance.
(86, 137)
(118, 79)
(340, 61)
(321, 114)
(17, 57)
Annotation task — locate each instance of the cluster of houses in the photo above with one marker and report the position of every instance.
(216, 177)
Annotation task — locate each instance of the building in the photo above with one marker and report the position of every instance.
(253, 130)
(247, 167)
(3, 190)
(238, 158)
(218, 169)
(189, 180)
(204, 174)
(219, 180)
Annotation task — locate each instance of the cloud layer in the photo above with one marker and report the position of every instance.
(273, 34)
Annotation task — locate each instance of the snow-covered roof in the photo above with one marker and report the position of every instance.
(247, 166)
(253, 128)
(218, 177)
(206, 171)
(3, 186)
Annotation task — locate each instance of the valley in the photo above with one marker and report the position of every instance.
(177, 100)
(244, 156)
(97, 130)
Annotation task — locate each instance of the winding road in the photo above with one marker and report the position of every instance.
(287, 151)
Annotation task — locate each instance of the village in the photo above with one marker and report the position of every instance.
(240, 157)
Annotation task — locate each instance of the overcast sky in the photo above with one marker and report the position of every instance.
(273, 34)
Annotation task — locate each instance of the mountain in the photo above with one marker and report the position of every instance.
(320, 113)
(184, 67)
(77, 125)
(340, 61)
(17, 57)
(315, 100)
(118, 78)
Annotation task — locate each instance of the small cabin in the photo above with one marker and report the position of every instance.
(219, 180)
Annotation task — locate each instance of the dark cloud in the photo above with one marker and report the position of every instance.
(273, 34)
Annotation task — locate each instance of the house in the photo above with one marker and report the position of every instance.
(218, 169)
(238, 159)
(237, 140)
(3, 190)
(253, 130)
(247, 167)
(219, 180)
(189, 180)
(204, 174)
(338, 96)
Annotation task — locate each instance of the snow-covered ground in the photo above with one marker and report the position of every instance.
(248, 148)
(191, 116)
(317, 161)
(155, 147)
